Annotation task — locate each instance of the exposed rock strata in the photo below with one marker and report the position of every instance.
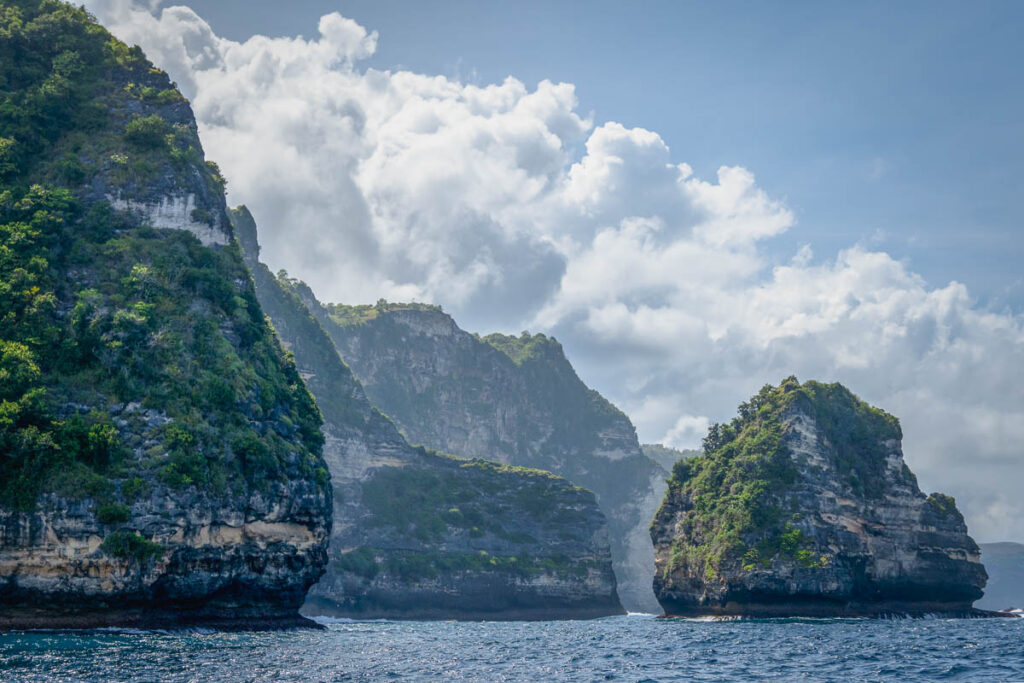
(804, 506)
(421, 535)
(175, 213)
(513, 400)
(229, 564)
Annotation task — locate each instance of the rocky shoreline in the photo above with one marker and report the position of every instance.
(450, 610)
(151, 619)
(825, 609)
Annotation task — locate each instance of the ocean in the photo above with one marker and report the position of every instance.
(627, 648)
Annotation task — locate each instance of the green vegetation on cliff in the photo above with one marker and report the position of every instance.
(471, 495)
(73, 103)
(98, 314)
(129, 357)
(803, 506)
(735, 485)
(130, 545)
(361, 314)
(525, 347)
(415, 566)
(52, 66)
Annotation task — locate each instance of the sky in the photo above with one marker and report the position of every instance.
(897, 124)
(694, 198)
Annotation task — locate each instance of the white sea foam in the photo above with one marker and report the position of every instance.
(327, 621)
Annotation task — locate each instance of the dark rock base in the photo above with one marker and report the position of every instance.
(828, 609)
(30, 619)
(413, 612)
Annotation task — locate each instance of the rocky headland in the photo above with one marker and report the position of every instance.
(803, 506)
(422, 535)
(510, 399)
(160, 458)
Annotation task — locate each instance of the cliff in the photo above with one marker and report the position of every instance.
(1004, 563)
(803, 505)
(160, 458)
(513, 400)
(418, 534)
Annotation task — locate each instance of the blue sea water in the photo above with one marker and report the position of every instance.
(629, 648)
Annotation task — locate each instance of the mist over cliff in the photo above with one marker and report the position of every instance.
(420, 534)
(509, 399)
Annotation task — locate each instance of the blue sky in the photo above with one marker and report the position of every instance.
(896, 125)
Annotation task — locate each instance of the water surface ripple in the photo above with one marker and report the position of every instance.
(632, 648)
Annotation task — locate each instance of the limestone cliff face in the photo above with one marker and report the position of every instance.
(804, 506)
(514, 400)
(421, 535)
(179, 558)
(160, 458)
(418, 534)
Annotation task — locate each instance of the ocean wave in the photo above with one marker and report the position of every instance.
(327, 621)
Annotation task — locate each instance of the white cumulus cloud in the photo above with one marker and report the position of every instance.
(512, 209)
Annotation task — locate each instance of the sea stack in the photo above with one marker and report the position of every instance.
(803, 506)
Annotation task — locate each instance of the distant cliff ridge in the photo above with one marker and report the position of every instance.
(418, 534)
(666, 456)
(509, 399)
(160, 458)
(803, 505)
